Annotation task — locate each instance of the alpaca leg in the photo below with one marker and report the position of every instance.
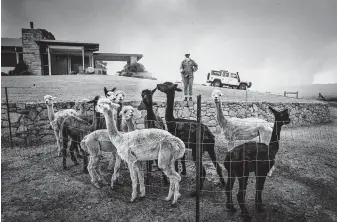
(77, 144)
(133, 175)
(166, 182)
(211, 154)
(229, 187)
(140, 175)
(183, 165)
(99, 172)
(260, 180)
(64, 152)
(243, 179)
(112, 160)
(92, 170)
(71, 150)
(176, 181)
(115, 175)
(85, 161)
(202, 173)
(148, 172)
(59, 149)
(168, 173)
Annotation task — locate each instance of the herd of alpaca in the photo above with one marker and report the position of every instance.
(116, 133)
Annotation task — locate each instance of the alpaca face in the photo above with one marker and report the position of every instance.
(110, 94)
(49, 100)
(120, 96)
(168, 87)
(147, 96)
(104, 104)
(281, 117)
(216, 94)
(127, 112)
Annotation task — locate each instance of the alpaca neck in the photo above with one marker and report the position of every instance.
(110, 123)
(149, 109)
(94, 120)
(220, 116)
(131, 126)
(51, 114)
(119, 120)
(169, 107)
(82, 109)
(275, 138)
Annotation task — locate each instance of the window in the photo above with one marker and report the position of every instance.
(225, 74)
(233, 75)
(216, 73)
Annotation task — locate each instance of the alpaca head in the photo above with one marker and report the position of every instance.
(216, 94)
(168, 88)
(49, 100)
(110, 94)
(128, 112)
(94, 101)
(282, 118)
(82, 103)
(104, 104)
(120, 96)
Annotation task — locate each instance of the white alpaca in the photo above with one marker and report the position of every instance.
(241, 129)
(142, 145)
(57, 118)
(98, 141)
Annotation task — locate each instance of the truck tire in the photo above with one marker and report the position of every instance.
(242, 86)
(217, 83)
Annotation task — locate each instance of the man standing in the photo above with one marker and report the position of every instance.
(187, 68)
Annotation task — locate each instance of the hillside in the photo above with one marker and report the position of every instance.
(75, 87)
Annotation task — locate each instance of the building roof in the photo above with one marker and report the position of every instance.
(11, 42)
(87, 46)
(116, 56)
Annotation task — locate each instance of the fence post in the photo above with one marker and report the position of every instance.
(285, 93)
(297, 95)
(9, 118)
(198, 141)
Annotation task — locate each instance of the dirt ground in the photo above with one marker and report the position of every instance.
(34, 187)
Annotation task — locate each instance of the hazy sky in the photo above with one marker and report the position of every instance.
(268, 42)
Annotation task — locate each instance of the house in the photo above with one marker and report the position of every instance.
(45, 55)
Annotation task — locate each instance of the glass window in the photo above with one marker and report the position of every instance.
(233, 75)
(216, 73)
(225, 74)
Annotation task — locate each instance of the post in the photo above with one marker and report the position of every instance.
(92, 61)
(297, 95)
(49, 61)
(17, 56)
(198, 141)
(9, 118)
(83, 58)
(285, 93)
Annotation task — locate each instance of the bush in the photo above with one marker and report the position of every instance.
(134, 67)
(20, 69)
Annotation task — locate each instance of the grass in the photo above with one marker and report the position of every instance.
(76, 87)
(35, 188)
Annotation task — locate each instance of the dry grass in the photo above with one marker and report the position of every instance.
(75, 87)
(302, 188)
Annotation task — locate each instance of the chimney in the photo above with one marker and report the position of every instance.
(32, 25)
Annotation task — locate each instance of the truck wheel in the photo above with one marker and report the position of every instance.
(217, 83)
(242, 86)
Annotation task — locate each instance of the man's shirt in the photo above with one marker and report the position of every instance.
(188, 66)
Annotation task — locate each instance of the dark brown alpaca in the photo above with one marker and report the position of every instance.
(253, 157)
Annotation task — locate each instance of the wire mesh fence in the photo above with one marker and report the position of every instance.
(299, 188)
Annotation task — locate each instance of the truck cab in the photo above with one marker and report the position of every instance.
(224, 78)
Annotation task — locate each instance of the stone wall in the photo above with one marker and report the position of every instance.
(30, 120)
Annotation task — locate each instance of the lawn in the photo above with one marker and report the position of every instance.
(302, 188)
(76, 87)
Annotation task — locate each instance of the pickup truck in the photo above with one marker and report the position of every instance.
(224, 78)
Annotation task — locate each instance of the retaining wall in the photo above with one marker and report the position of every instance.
(30, 120)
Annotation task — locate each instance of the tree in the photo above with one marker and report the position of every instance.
(101, 65)
(134, 67)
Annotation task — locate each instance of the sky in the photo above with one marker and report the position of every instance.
(269, 42)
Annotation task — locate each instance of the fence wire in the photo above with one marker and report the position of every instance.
(298, 190)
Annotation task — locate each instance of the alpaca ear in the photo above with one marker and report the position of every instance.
(273, 110)
(113, 90)
(121, 113)
(178, 89)
(153, 91)
(105, 90)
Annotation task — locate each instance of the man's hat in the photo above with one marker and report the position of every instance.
(187, 53)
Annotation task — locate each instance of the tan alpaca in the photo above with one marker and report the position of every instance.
(98, 141)
(57, 118)
(142, 145)
(235, 129)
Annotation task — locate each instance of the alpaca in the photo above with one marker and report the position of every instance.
(240, 129)
(186, 130)
(143, 145)
(57, 118)
(253, 157)
(151, 120)
(98, 141)
(115, 97)
(76, 128)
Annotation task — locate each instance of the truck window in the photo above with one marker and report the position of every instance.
(233, 75)
(225, 74)
(216, 73)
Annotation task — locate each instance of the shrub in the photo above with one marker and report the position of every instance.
(20, 69)
(134, 67)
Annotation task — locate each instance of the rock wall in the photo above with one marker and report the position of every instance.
(30, 120)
